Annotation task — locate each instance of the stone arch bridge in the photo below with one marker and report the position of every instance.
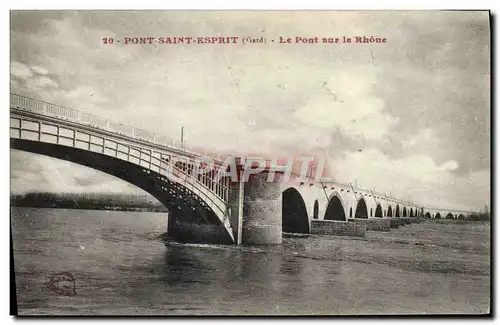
(202, 207)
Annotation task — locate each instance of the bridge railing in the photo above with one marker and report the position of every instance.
(214, 198)
(350, 188)
(44, 108)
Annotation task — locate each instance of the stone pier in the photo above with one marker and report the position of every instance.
(255, 207)
(338, 228)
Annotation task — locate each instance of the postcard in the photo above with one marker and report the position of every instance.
(250, 162)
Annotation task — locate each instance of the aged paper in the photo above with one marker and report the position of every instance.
(250, 162)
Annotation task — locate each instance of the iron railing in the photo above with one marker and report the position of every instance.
(44, 108)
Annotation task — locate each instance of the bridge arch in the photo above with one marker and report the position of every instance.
(315, 209)
(294, 212)
(404, 212)
(450, 216)
(427, 215)
(437, 216)
(335, 209)
(361, 209)
(411, 213)
(184, 205)
(378, 211)
(461, 217)
(389, 212)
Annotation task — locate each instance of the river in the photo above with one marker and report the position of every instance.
(119, 267)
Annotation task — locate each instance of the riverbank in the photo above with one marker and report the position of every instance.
(88, 201)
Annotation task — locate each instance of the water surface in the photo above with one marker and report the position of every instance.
(121, 268)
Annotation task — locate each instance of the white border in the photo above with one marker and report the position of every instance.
(186, 4)
(258, 4)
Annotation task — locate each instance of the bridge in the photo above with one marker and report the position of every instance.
(202, 207)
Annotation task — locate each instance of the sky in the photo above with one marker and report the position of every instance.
(409, 117)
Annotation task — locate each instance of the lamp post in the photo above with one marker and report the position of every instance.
(182, 136)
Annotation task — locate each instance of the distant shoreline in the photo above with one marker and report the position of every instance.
(459, 221)
(125, 209)
(85, 201)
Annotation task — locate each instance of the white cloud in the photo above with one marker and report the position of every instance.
(423, 139)
(40, 70)
(41, 82)
(20, 70)
(414, 177)
(449, 165)
(30, 81)
(348, 103)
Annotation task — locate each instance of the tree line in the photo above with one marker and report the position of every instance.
(481, 216)
(91, 201)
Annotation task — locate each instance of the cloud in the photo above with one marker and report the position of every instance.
(31, 79)
(449, 165)
(39, 70)
(348, 103)
(41, 82)
(423, 138)
(20, 70)
(413, 177)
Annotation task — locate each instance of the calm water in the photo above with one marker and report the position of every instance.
(119, 267)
